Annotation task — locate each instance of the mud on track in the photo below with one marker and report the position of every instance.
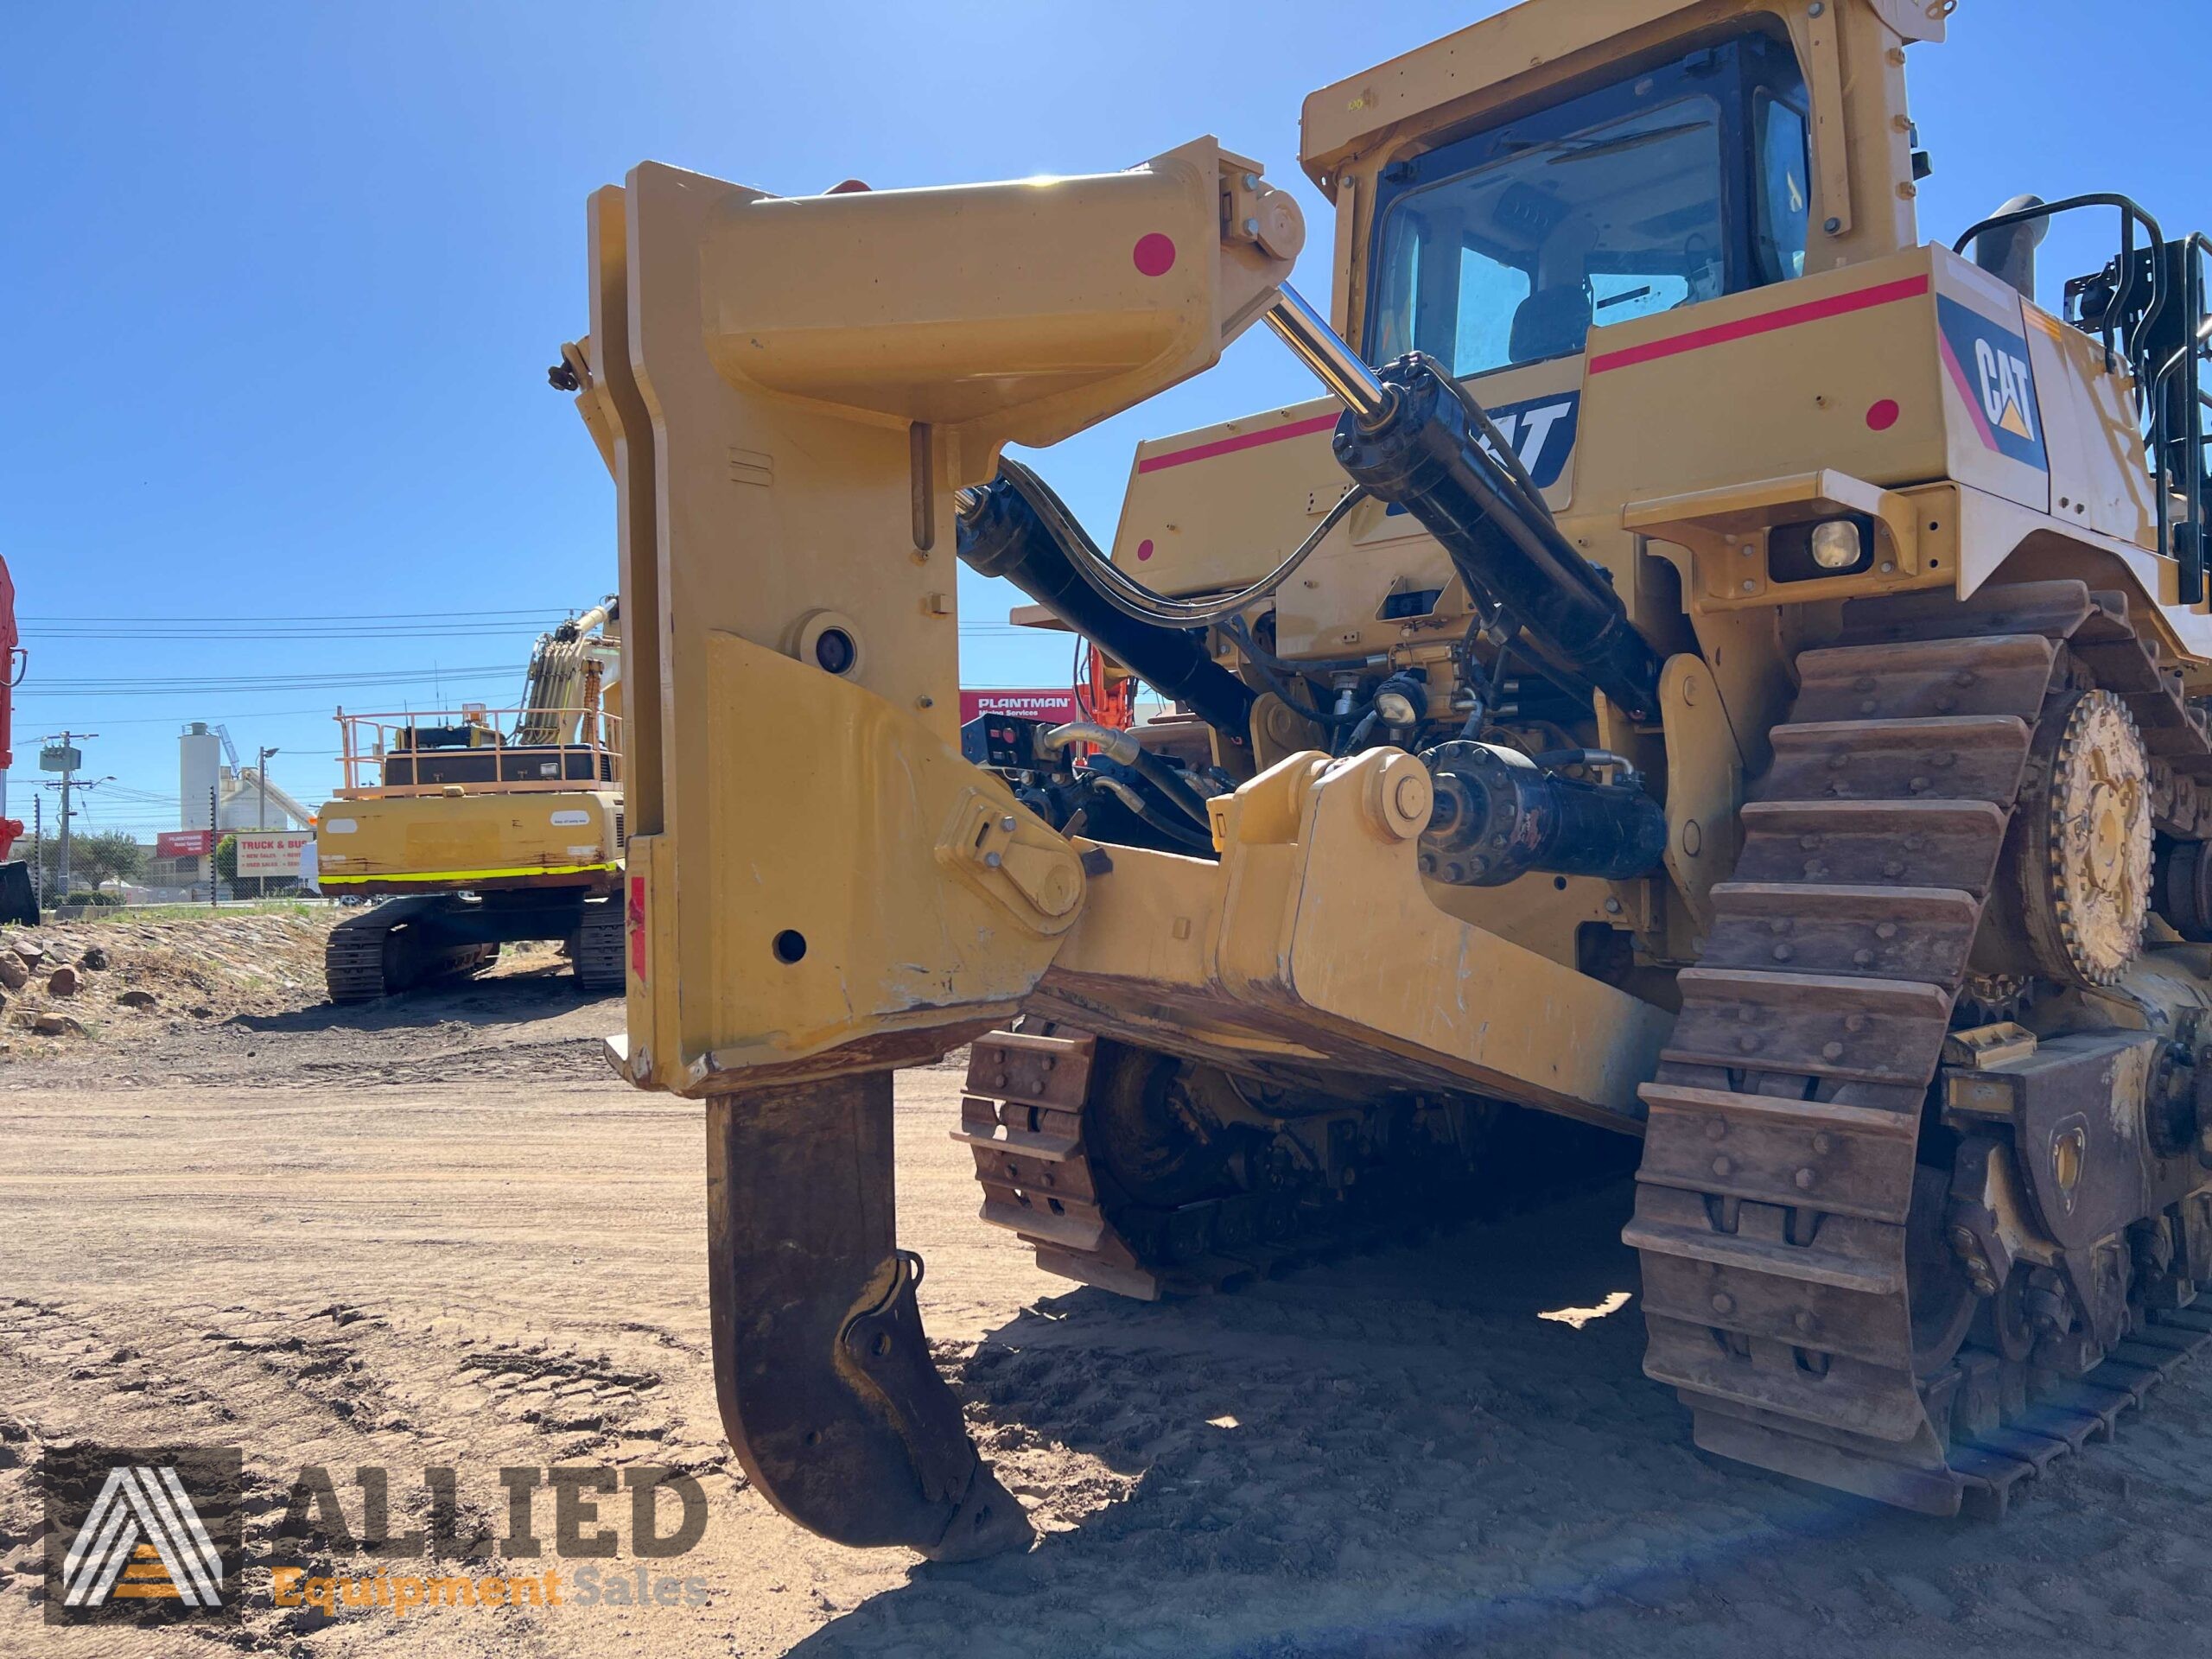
(435, 1232)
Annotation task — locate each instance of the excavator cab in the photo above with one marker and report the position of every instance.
(1708, 687)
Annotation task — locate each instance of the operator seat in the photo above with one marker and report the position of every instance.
(1551, 322)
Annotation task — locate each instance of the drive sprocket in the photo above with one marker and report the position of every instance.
(2084, 868)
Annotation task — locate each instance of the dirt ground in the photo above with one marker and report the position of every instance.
(435, 1232)
(114, 980)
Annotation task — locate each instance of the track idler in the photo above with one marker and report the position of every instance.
(821, 1370)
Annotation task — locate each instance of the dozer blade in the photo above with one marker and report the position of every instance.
(823, 1373)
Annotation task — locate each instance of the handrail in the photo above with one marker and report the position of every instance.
(2131, 212)
(369, 743)
(475, 713)
(2197, 339)
(2149, 379)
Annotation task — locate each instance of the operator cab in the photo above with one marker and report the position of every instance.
(1669, 186)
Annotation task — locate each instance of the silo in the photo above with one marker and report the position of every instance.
(199, 753)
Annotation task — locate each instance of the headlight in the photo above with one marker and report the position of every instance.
(1821, 547)
(1395, 708)
(1835, 544)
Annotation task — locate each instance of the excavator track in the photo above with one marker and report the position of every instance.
(1798, 1290)
(599, 946)
(353, 958)
(371, 955)
(1099, 1197)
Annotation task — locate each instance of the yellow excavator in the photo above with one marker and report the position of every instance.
(480, 827)
(1716, 686)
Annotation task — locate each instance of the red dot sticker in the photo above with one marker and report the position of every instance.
(1883, 415)
(1153, 255)
(1144, 547)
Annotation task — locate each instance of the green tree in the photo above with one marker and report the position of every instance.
(94, 857)
(108, 855)
(226, 858)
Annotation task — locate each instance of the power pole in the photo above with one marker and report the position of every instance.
(261, 807)
(69, 784)
(66, 741)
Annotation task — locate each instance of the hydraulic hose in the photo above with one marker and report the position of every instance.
(1424, 452)
(1275, 672)
(1001, 533)
(1414, 437)
(1624, 772)
(1120, 746)
(1131, 597)
(1501, 449)
(1136, 803)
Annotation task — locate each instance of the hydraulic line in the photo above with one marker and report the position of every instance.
(1002, 533)
(1415, 437)
(553, 689)
(1624, 771)
(1272, 670)
(1136, 805)
(1501, 450)
(1425, 455)
(1308, 668)
(1123, 746)
(1132, 598)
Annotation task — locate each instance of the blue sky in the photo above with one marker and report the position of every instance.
(284, 281)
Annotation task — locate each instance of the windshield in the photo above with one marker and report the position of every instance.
(1506, 247)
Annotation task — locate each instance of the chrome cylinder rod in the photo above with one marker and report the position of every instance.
(1324, 351)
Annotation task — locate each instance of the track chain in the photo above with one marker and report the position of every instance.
(362, 960)
(1403, 1168)
(1776, 1205)
(600, 946)
(354, 958)
(1776, 1198)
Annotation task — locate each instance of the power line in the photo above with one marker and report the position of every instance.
(241, 715)
(315, 616)
(43, 635)
(431, 631)
(171, 686)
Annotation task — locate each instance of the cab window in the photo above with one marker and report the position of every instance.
(1785, 193)
(1672, 186)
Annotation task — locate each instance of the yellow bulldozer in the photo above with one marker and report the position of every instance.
(481, 827)
(1715, 688)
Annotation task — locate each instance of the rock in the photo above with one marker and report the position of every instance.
(62, 983)
(201, 1014)
(15, 973)
(136, 999)
(56, 1025)
(94, 958)
(31, 951)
